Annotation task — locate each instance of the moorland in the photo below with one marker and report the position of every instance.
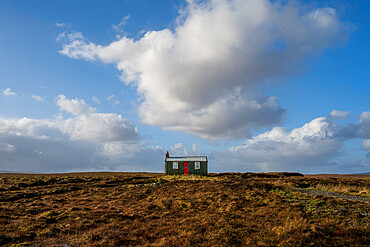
(151, 209)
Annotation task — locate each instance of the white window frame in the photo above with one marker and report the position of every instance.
(175, 165)
(197, 165)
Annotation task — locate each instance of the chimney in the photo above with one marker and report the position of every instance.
(167, 155)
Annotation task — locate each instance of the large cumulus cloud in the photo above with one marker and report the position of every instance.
(313, 147)
(88, 125)
(202, 77)
(86, 140)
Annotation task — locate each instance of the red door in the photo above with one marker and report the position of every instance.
(186, 168)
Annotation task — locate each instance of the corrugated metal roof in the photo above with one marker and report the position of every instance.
(189, 158)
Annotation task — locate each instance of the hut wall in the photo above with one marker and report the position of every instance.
(180, 171)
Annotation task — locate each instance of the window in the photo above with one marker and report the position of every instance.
(175, 165)
(197, 165)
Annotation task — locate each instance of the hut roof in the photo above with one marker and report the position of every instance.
(187, 158)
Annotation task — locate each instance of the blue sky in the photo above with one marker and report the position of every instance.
(255, 85)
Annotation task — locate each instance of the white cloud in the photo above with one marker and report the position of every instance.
(33, 128)
(116, 102)
(119, 26)
(111, 97)
(354, 165)
(338, 115)
(202, 77)
(38, 98)
(119, 148)
(88, 140)
(324, 17)
(69, 36)
(100, 127)
(62, 24)
(85, 125)
(181, 149)
(24, 153)
(9, 92)
(74, 106)
(88, 125)
(310, 148)
(96, 100)
(364, 125)
(6, 147)
(366, 144)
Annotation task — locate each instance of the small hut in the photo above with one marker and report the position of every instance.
(186, 165)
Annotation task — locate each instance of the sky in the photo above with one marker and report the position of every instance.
(255, 85)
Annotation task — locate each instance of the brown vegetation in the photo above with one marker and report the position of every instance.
(231, 209)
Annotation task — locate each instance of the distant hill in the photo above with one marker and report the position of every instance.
(20, 172)
(365, 173)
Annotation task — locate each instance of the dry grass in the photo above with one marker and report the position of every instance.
(345, 189)
(142, 209)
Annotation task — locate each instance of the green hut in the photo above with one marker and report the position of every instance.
(186, 165)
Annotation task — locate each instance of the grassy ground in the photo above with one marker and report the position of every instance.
(123, 209)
